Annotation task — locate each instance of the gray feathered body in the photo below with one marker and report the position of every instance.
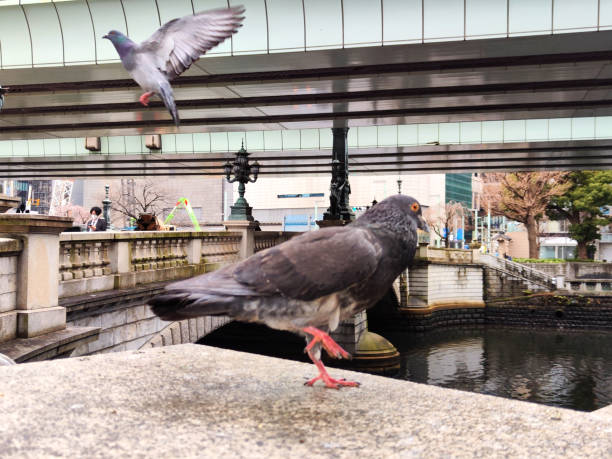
(315, 279)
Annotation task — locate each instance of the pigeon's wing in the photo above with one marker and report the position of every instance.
(312, 265)
(180, 42)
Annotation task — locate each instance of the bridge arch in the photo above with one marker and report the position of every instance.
(186, 331)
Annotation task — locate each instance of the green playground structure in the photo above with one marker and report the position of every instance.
(183, 202)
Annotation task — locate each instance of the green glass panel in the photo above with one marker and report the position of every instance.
(357, 31)
(402, 21)
(407, 134)
(218, 141)
(116, 145)
(352, 139)
(367, 136)
(20, 148)
(201, 142)
(572, 14)
(514, 130)
(52, 147)
(273, 140)
(36, 147)
(470, 132)
(46, 34)
(253, 35)
(583, 128)
(77, 31)
(485, 17)
(537, 130)
(560, 129)
(184, 143)
(254, 141)
(387, 136)
(326, 138)
(134, 144)
(427, 133)
(603, 127)
(458, 188)
(443, 19)
(6, 148)
(529, 16)
(309, 139)
(291, 139)
(449, 133)
(168, 142)
(68, 147)
(142, 18)
(323, 23)
(172, 9)
(286, 25)
(107, 15)
(492, 131)
(235, 140)
(15, 38)
(605, 13)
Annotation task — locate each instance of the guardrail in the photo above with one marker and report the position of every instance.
(518, 270)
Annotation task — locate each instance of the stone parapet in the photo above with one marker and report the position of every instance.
(204, 401)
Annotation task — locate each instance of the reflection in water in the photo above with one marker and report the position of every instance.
(561, 368)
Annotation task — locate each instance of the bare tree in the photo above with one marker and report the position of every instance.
(444, 219)
(142, 198)
(524, 196)
(77, 213)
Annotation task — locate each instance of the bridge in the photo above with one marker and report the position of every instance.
(68, 293)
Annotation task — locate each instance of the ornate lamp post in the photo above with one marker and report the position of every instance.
(399, 186)
(106, 204)
(242, 170)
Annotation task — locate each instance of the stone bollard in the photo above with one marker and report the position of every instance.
(37, 271)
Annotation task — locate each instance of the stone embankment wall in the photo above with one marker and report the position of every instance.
(9, 252)
(575, 270)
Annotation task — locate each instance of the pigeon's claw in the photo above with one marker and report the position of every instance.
(329, 382)
(144, 99)
(333, 349)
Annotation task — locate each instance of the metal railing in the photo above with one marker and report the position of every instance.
(515, 269)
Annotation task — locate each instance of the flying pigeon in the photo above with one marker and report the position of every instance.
(172, 49)
(310, 283)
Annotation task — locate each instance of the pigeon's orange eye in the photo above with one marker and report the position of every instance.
(414, 207)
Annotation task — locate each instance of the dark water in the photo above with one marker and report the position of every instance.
(571, 369)
(561, 368)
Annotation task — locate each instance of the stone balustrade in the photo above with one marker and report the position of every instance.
(266, 239)
(589, 285)
(94, 262)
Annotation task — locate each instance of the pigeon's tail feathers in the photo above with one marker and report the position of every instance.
(165, 92)
(182, 304)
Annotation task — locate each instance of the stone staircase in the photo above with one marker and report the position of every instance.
(532, 279)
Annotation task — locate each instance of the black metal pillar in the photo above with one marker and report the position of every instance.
(340, 188)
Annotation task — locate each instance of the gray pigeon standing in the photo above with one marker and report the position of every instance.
(172, 49)
(310, 283)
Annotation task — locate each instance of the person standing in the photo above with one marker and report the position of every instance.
(96, 223)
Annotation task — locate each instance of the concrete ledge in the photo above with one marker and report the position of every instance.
(50, 345)
(8, 326)
(194, 401)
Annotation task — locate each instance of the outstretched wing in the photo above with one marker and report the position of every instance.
(312, 265)
(180, 42)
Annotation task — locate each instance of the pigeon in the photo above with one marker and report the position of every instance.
(172, 49)
(309, 283)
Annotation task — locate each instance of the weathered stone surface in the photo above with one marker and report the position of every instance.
(105, 340)
(114, 319)
(8, 265)
(8, 301)
(36, 322)
(193, 401)
(8, 326)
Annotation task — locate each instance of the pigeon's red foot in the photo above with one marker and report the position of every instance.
(333, 349)
(144, 99)
(328, 380)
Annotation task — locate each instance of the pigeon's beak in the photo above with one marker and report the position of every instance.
(106, 36)
(422, 224)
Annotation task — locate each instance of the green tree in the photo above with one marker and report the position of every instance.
(582, 205)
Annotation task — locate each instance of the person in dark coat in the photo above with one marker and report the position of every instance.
(96, 223)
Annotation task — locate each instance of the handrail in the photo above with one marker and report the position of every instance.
(518, 269)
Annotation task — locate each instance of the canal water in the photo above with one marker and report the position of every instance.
(571, 369)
